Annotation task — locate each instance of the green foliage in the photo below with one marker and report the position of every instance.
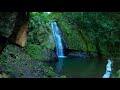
(88, 31)
(97, 32)
(4, 75)
(91, 31)
(9, 53)
(63, 76)
(14, 61)
(33, 51)
(40, 36)
(48, 71)
(40, 30)
(39, 27)
(116, 75)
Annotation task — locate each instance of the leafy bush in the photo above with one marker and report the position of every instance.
(33, 51)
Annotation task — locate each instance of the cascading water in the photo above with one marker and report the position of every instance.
(108, 69)
(58, 40)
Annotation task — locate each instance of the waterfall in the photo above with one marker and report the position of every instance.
(58, 40)
(108, 69)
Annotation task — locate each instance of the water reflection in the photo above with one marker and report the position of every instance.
(59, 65)
(80, 68)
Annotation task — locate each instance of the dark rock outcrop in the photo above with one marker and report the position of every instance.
(13, 28)
(76, 53)
(63, 38)
(50, 55)
(7, 23)
(19, 33)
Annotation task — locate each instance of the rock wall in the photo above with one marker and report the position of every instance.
(19, 34)
(7, 23)
(14, 60)
(21, 38)
(13, 28)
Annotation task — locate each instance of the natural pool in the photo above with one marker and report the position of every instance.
(80, 68)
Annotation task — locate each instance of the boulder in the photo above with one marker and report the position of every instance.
(49, 55)
(21, 38)
(13, 29)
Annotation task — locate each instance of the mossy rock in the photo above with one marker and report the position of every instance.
(18, 64)
(4, 75)
(7, 24)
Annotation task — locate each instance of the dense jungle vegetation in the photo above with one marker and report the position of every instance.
(96, 33)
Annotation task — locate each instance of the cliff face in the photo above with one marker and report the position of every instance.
(13, 30)
(7, 23)
(19, 34)
(14, 27)
(24, 62)
(21, 38)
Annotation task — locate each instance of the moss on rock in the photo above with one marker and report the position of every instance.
(7, 23)
(16, 63)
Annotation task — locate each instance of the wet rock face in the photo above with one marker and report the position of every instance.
(76, 53)
(7, 23)
(64, 40)
(79, 54)
(50, 55)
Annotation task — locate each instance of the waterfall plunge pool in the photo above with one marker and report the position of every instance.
(80, 68)
(75, 67)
